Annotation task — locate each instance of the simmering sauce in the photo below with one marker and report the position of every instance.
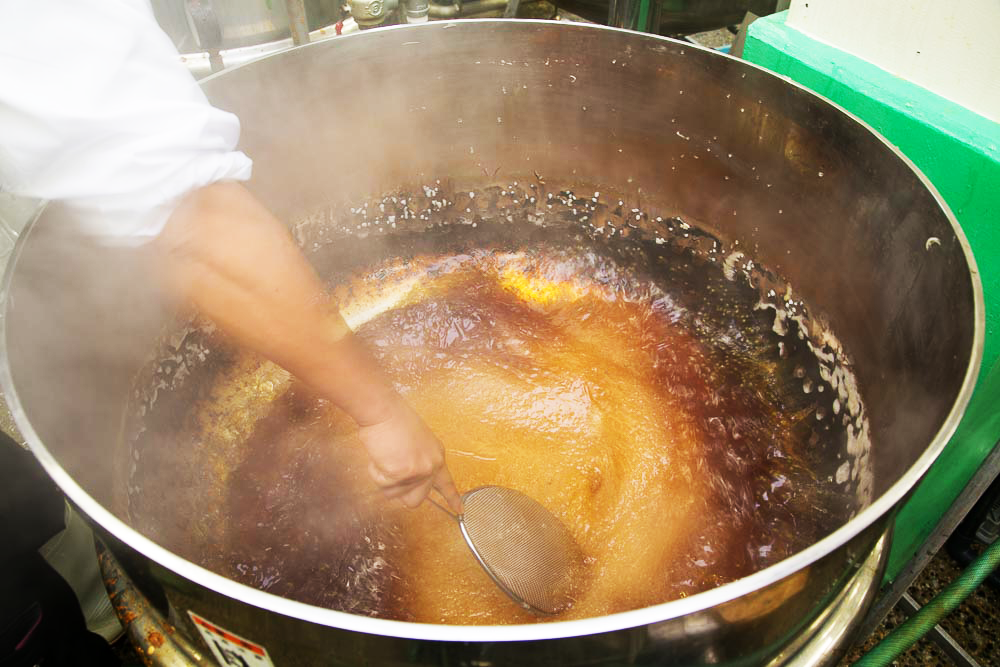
(655, 418)
(562, 393)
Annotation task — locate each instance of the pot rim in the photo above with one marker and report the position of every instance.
(524, 632)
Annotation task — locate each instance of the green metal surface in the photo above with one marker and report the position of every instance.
(644, 16)
(959, 151)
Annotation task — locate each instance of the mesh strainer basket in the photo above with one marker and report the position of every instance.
(528, 552)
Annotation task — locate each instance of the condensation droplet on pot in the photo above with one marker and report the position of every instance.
(843, 472)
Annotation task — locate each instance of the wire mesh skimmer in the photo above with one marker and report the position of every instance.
(528, 552)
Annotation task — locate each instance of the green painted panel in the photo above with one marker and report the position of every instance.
(959, 151)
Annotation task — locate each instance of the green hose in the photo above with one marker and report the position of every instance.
(930, 614)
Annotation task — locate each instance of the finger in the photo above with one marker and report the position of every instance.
(398, 490)
(381, 481)
(415, 496)
(395, 492)
(445, 485)
(385, 481)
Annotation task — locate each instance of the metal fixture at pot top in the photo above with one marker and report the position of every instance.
(212, 35)
(770, 168)
(200, 25)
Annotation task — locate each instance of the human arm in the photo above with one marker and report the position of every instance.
(238, 264)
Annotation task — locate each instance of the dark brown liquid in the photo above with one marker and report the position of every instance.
(654, 418)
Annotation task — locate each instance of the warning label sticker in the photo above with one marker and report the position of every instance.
(230, 649)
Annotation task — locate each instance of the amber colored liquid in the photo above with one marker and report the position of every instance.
(537, 378)
(662, 436)
(555, 394)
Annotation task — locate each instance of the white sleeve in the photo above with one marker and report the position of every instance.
(97, 110)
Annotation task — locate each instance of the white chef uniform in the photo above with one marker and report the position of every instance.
(97, 110)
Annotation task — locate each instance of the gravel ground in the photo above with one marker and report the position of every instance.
(975, 625)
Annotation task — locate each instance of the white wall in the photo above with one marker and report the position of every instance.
(950, 47)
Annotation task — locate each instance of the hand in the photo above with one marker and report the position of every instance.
(407, 459)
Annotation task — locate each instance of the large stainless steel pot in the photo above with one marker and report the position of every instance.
(800, 184)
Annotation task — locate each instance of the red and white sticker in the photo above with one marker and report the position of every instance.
(229, 648)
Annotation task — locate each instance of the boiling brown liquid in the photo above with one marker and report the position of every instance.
(553, 391)
(655, 418)
(594, 402)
